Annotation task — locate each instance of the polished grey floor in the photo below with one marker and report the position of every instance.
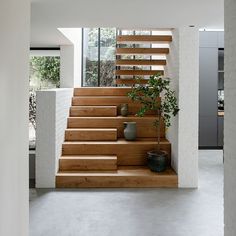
(134, 212)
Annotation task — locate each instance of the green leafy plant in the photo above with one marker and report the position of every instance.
(156, 96)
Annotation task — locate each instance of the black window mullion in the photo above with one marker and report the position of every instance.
(99, 55)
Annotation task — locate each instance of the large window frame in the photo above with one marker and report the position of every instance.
(98, 59)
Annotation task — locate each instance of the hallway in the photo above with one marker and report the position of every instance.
(134, 212)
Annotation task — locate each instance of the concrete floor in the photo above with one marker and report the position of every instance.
(134, 212)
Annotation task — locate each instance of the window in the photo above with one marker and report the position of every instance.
(44, 74)
(99, 56)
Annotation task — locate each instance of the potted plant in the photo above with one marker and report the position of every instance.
(156, 96)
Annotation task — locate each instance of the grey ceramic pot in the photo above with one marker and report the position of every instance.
(130, 130)
(124, 110)
(157, 162)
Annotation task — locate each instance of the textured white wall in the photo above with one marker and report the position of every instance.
(52, 113)
(188, 103)
(229, 119)
(182, 67)
(14, 82)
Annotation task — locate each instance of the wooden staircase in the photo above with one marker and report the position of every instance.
(95, 153)
(142, 52)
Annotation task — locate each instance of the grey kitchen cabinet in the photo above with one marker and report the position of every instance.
(211, 80)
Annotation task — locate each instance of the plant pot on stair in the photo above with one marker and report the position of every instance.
(159, 97)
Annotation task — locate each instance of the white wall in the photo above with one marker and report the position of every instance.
(229, 119)
(14, 80)
(67, 66)
(52, 113)
(183, 67)
(71, 56)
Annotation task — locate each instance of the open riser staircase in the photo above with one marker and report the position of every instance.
(141, 55)
(95, 153)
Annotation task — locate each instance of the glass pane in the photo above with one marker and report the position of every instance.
(90, 57)
(44, 74)
(107, 56)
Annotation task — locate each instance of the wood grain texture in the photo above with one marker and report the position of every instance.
(87, 163)
(143, 38)
(145, 128)
(139, 72)
(131, 81)
(107, 101)
(127, 152)
(87, 134)
(140, 62)
(136, 177)
(136, 51)
(101, 91)
(101, 111)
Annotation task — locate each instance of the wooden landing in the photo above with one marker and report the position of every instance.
(134, 176)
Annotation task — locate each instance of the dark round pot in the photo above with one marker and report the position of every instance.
(157, 161)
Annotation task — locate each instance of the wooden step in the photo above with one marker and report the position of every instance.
(87, 134)
(139, 72)
(125, 177)
(101, 91)
(127, 152)
(131, 81)
(140, 62)
(143, 38)
(87, 163)
(107, 101)
(137, 51)
(108, 111)
(145, 128)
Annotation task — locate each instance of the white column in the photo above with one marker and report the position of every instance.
(230, 119)
(182, 67)
(71, 58)
(67, 66)
(14, 121)
(188, 103)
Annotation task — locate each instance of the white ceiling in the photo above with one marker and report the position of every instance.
(48, 15)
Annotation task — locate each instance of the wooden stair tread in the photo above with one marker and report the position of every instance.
(101, 91)
(139, 72)
(137, 62)
(89, 157)
(81, 111)
(138, 141)
(124, 177)
(88, 163)
(143, 38)
(90, 134)
(131, 81)
(136, 51)
(122, 171)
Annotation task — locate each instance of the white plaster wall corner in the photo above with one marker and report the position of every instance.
(52, 113)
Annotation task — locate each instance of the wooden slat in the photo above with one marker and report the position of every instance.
(139, 72)
(127, 152)
(89, 163)
(90, 134)
(145, 128)
(140, 62)
(83, 111)
(143, 38)
(101, 91)
(125, 177)
(148, 51)
(131, 81)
